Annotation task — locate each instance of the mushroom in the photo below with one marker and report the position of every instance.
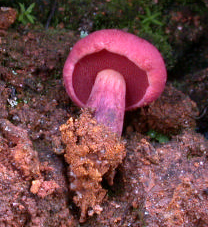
(112, 71)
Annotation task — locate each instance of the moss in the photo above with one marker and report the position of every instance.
(159, 137)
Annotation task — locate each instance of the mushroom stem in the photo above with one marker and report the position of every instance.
(107, 98)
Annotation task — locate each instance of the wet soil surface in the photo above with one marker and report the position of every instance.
(150, 184)
(195, 85)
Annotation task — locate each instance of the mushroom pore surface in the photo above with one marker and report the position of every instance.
(87, 68)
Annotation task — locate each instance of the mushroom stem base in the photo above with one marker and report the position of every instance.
(107, 98)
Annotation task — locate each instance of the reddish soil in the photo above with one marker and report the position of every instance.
(155, 184)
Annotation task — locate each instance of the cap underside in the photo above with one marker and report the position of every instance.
(87, 68)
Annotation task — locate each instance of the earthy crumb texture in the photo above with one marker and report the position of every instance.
(156, 185)
(174, 179)
(7, 17)
(159, 186)
(25, 185)
(92, 152)
(170, 121)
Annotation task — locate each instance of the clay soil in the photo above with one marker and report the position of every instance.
(149, 183)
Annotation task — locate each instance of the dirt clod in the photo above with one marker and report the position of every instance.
(7, 17)
(92, 152)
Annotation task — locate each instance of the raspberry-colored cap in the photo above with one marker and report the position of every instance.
(140, 63)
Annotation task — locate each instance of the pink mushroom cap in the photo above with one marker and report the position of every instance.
(140, 63)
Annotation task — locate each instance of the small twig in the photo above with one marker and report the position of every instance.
(202, 114)
(51, 14)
